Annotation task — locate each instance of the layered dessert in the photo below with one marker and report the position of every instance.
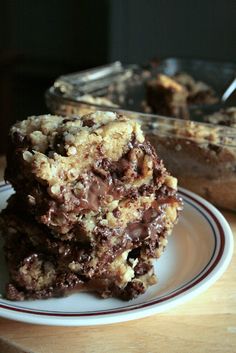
(93, 207)
(167, 97)
(172, 96)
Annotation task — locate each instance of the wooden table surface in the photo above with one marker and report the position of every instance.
(205, 324)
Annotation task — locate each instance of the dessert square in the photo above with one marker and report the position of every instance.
(93, 207)
(167, 97)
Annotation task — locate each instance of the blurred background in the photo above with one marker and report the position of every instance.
(40, 40)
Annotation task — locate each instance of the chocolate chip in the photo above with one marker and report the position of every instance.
(116, 212)
(88, 123)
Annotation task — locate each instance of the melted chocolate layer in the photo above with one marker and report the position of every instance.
(105, 179)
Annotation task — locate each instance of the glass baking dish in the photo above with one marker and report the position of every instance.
(202, 156)
(124, 86)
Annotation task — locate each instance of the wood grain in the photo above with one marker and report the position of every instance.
(205, 324)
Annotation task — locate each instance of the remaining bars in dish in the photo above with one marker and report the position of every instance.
(167, 97)
(172, 96)
(93, 207)
(211, 173)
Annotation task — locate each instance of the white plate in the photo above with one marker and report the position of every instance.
(198, 253)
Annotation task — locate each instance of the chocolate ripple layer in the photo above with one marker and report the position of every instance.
(93, 207)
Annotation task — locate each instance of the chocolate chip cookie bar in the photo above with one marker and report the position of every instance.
(167, 97)
(93, 207)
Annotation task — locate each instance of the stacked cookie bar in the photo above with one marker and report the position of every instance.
(92, 208)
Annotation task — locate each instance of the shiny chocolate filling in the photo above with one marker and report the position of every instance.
(105, 179)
